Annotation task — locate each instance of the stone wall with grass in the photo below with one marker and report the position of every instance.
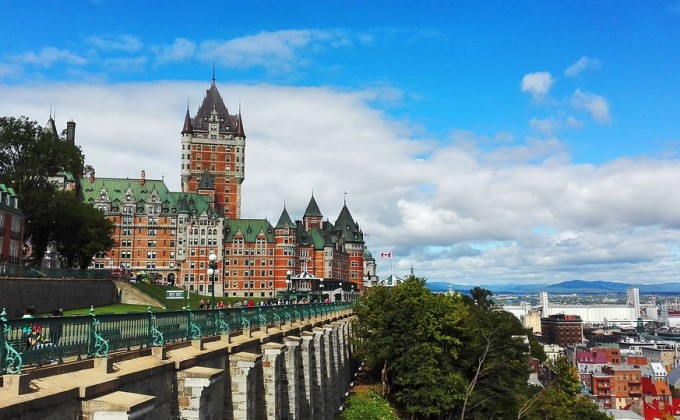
(16, 294)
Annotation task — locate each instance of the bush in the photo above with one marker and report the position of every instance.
(367, 405)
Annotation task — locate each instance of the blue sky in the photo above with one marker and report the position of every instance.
(483, 142)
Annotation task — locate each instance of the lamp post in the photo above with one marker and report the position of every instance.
(288, 283)
(212, 269)
(321, 287)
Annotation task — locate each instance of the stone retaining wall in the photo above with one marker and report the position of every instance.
(16, 294)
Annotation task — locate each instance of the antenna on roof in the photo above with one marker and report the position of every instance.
(344, 200)
(50, 109)
(213, 79)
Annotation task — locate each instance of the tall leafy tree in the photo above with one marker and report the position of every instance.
(411, 336)
(445, 357)
(80, 231)
(29, 157)
(495, 359)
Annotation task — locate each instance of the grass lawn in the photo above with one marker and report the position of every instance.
(116, 308)
(158, 292)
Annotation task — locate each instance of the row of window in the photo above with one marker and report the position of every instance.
(211, 148)
(213, 158)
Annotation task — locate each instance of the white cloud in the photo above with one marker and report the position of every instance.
(582, 64)
(596, 105)
(537, 84)
(47, 56)
(180, 50)
(125, 43)
(521, 212)
(279, 50)
(551, 125)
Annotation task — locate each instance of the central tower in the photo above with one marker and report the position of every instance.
(214, 148)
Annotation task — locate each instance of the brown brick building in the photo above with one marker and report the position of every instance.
(563, 330)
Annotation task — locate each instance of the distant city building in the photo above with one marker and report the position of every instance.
(563, 330)
(596, 314)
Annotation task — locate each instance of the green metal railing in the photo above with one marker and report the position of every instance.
(87, 336)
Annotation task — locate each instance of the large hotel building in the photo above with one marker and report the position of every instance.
(170, 235)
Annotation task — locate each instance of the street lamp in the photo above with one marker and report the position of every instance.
(321, 287)
(288, 283)
(211, 272)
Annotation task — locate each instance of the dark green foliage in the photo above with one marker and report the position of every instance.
(80, 230)
(449, 356)
(29, 156)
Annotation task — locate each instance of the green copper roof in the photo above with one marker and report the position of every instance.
(313, 209)
(284, 219)
(249, 228)
(206, 181)
(320, 238)
(118, 189)
(349, 228)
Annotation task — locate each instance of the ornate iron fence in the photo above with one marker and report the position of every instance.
(39, 341)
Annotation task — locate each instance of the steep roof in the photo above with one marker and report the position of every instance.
(213, 101)
(249, 228)
(206, 181)
(188, 128)
(320, 238)
(313, 209)
(349, 228)
(285, 219)
(51, 127)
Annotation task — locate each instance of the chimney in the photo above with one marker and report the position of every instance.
(142, 180)
(92, 176)
(71, 132)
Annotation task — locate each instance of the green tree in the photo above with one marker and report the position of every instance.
(29, 156)
(411, 336)
(81, 231)
(495, 356)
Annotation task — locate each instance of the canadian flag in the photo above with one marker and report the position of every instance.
(386, 255)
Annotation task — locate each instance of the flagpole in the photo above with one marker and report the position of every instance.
(391, 266)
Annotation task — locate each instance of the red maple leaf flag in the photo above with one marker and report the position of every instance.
(386, 255)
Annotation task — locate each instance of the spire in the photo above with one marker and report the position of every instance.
(284, 219)
(188, 128)
(239, 124)
(213, 79)
(51, 127)
(313, 209)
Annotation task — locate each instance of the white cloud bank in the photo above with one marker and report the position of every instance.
(465, 213)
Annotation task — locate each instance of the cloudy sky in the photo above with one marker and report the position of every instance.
(481, 142)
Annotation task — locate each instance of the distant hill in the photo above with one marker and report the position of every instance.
(565, 287)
